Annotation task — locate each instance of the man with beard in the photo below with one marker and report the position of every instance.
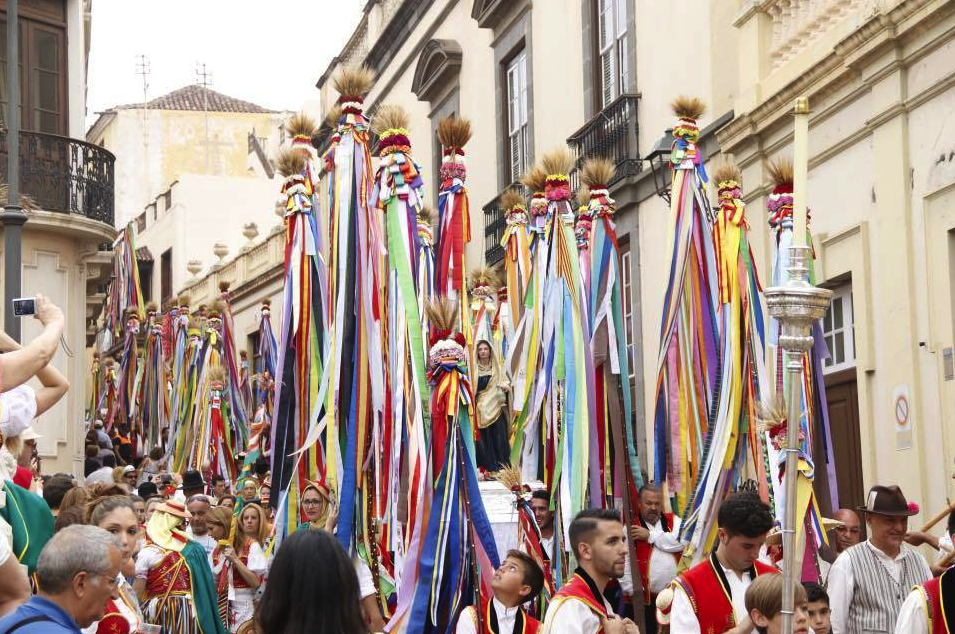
(658, 552)
(579, 607)
(711, 596)
(869, 581)
(540, 504)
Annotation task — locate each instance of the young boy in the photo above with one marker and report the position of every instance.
(764, 603)
(518, 580)
(818, 607)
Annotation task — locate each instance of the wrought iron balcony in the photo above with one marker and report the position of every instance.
(612, 133)
(494, 225)
(64, 175)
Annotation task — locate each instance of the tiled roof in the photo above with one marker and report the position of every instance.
(192, 98)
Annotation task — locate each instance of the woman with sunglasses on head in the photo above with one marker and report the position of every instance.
(117, 515)
(241, 565)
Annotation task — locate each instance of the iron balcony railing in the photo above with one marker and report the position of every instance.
(64, 175)
(494, 225)
(612, 133)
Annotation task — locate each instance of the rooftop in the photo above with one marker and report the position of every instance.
(196, 97)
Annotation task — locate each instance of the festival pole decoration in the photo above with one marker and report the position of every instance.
(152, 397)
(356, 379)
(236, 399)
(796, 305)
(398, 196)
(187, 372)
(735, 443)
(517, 251)
(582, 226)
(688, 361)
(425, 263)
(458, 554)
(126, 402)
(263, 384)
(608, 335)
(483, 284)
(125, 291)
(96, 388)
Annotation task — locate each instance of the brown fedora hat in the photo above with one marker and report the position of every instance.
(884, 500)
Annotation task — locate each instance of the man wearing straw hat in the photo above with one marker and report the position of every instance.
(869, 581)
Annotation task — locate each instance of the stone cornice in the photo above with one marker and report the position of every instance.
(438, 64)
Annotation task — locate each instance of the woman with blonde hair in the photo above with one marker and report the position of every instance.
(239, 567)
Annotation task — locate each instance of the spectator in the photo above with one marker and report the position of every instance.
(129, 477)
(77, 496)
(76, 574)
(540, 504)
(115, 514)
(228, 501)
(139, 505)
(817, 606)
(192, 484)
(298, 601)
(22, 364)
(199, 506)
(152, 465)
(850, 533)
(147, 490)
(518, 580)
(764, 604)
(242, 565)
(68, 517)
(54, 490)
(92, 462)
(151, 505)
(14, 585)
(102, 438)
(219, 487)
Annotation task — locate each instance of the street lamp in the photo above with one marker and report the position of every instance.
(659, 159)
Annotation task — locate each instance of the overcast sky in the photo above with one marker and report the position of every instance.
(268, 52)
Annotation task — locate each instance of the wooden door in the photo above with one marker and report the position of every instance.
(843, 400)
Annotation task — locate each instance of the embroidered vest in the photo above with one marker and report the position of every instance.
(709, 593)
(238, 581)
(113, 621)
(877, 597)
(645, 552)
(523, 623)
(169, 577)
(576, 589)
(939, 597)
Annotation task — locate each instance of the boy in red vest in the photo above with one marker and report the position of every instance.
(930, 607)
(579, 607)
(710, 596)
(518, 580)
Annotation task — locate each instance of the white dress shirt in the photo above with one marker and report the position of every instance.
(842, 584)
(662, 562)
(570, 616)
(682, 617)
(467, 622)
(912, 618)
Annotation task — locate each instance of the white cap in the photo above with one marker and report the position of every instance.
(30, 434)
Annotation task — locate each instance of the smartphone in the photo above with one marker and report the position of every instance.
(24, 306)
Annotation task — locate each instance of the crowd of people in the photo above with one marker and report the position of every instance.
(132, 546)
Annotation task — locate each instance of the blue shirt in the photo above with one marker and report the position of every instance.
(62, 623)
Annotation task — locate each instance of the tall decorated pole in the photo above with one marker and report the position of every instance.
(398, 197)
(263, 389)
(299, 361)
(152, 397)
(356, 383)
(124, 290)
(517, 259)
(736, 448)
(458, 554)
(123, 410)
(236, 399)
(796, 305)
(688, 361)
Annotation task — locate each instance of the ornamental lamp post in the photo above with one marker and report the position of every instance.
(796, 305)
(659, 160)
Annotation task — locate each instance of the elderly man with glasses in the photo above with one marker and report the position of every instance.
(77, 573)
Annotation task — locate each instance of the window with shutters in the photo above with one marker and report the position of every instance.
(515, 80)
(838, 329)
(612, 53)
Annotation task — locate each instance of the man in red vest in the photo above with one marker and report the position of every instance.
(710, 596)
(658, 552)
(579, 607)
(518, 580)
(930, 607)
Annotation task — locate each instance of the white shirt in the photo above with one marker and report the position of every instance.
(662, 561)
(944, 546)
(467, 622)
(366, 582)
(912, 618)
(5, 551)
(569, 616)
(17, 410)
(682, 618)
(842, 584)
(547, 544)
(206, 541)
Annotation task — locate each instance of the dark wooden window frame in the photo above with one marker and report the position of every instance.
(165, 275)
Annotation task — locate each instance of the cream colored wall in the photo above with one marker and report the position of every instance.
(175, 145)
(207, 210)
(76, 69)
